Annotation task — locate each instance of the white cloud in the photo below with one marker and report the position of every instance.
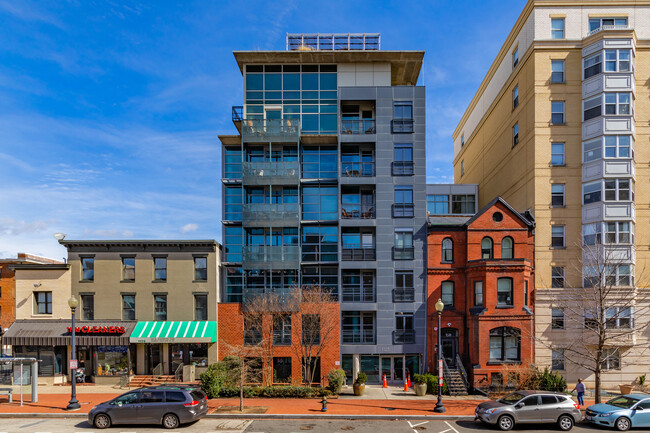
(12, 227)
(189, 228)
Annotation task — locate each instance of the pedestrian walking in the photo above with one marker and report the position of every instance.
(580, 388)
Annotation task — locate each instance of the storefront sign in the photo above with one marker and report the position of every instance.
(73, 364)
(97, 329)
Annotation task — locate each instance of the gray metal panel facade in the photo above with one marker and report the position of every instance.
(385, 224)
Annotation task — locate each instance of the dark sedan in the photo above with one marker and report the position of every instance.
(170, 406)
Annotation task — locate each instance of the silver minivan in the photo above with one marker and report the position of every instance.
(530, 407)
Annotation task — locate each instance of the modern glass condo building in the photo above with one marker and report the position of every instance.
(325, 185)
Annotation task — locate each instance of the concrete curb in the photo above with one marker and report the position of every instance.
(270, 416)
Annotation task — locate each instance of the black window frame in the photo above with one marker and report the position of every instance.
(125, 311)
(42, 298)
(87, 308)
(448, 251)
(162, 269)
(509, 294)
(487, 253)
(201, 311)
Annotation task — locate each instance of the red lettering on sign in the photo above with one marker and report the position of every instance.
(97, 330)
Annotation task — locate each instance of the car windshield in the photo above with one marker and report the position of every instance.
(623, 402)
(511, 398)
(126, 398)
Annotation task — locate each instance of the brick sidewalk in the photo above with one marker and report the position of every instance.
(56, 403)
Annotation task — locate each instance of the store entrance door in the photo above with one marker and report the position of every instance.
(155, 359)
(393, 368)
(85, 363)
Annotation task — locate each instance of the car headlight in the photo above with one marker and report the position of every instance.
(606, 414)
(489, 411)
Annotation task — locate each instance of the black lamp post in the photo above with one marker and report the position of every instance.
(73, 404)
(440, 408)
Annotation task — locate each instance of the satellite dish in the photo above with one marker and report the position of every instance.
(59, 236)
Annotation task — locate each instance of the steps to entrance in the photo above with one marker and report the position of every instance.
(455, 383)
(148, 380)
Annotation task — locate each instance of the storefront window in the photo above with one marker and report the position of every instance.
(198, 354)
(53, 359)
(370, 366)
(112, 360)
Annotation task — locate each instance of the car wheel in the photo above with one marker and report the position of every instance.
(102, 421)
(565, 422)
(170, 421)
(623, 424)
(506, 422)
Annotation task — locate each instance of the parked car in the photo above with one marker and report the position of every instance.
(170, 406)
(530, 407)
(622, 412)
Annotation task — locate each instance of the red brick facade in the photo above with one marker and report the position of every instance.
(231, 337)
(7, 297)
(495, 332)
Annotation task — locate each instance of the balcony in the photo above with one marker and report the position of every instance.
(404, 336)
(237, 116)
(271, 257)
(271, 173)
(401, 126)
(270, 300)
(402, 168)
(358, 169)
(351, 253)
(357, 212)
(403, 210)
(358, 126)
(609, 27)
(403, 253)
(366, 336)
(406, 294)
(264, 215)
(358, 293)
(270, 130)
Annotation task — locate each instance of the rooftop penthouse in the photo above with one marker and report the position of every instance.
(333, 42)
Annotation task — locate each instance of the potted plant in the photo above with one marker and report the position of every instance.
(359, 385)
(626, 389)
(420, 385)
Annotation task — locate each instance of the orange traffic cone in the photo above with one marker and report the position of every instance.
(385, 384)
(406, 386)
(409, 382)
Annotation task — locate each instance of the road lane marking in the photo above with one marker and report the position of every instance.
(415, 425)
(451, 427)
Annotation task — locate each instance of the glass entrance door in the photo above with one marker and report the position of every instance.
(155, 357)
(450, 346)
(393, 368)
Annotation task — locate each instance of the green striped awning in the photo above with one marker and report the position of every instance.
(175, 332)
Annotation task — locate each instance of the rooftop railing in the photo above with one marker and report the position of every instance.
(333, 41)
(610, 27)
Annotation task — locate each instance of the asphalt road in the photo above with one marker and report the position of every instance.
(72, 425)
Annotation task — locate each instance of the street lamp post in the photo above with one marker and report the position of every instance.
(73, 404)
(440, 408)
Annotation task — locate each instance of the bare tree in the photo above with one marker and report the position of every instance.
(604, 317)
(319, 319)
(248, 369)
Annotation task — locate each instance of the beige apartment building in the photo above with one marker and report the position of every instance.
(560, 126)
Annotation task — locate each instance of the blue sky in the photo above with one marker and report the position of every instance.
(110, 111)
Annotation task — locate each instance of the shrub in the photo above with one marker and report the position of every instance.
(419, 378)
(551, 381)
(287, 392)
(432, 384)
(219, 375)
(336, 378)
(361, 378)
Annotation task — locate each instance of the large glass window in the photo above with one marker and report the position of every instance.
(447, 250)
(592, 150)
(112, 360)
(326, 278)
(611, 359)
(557, 28)
(403, 159)
(128, 307)
(319, 162)
(618, 318)
(619, 190)
(201, 268)
(557, 195)
(619, 232)
(618, 146)
(592, 108)
(557, 277)
(282, 329)
(232, 163)
(358, 285)
(232, 250)
(402, 117)
(557, 154)
(557, 318)
(463, 204)
(320, 243)
(403, 244)
(596, 23)
(507, 248)
(87, 268)
(311, 329)
(557, 360)
(593, 65)
(358, 327)
(617, 103)
(557, 236)
(282, 369)
(478, 293)
(505, 344)
(358, 243)
(504, 292)
(232, 203)
(619, 276)
(557, 113)
(403, 206)
(320, 203)
(617, 60)
(487, 251)
(591, 192)
(252, 329)
(438, 204)
(404, 289)
(557, 71)
(591, 234)
(234, 282)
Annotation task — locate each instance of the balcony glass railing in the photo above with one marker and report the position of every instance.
(402, 168)
(358, 337)
(403, 253)
(271, 257)
(406, 294)
(357, 293)
(404, 336)
(263, 214)
(271, 173)
(277, 130)
(349, 253)
(357, 212)
(358, 126)
(358, 169)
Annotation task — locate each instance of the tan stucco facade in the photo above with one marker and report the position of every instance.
(42, 279)
(522, 174)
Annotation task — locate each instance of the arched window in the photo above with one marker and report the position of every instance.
(504, 291)
(486, 248)
(447, 293)
(507, 248)
(447, 250)
(505, 344)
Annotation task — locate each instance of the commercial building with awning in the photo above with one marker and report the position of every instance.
(175, 332)
(54, 332)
